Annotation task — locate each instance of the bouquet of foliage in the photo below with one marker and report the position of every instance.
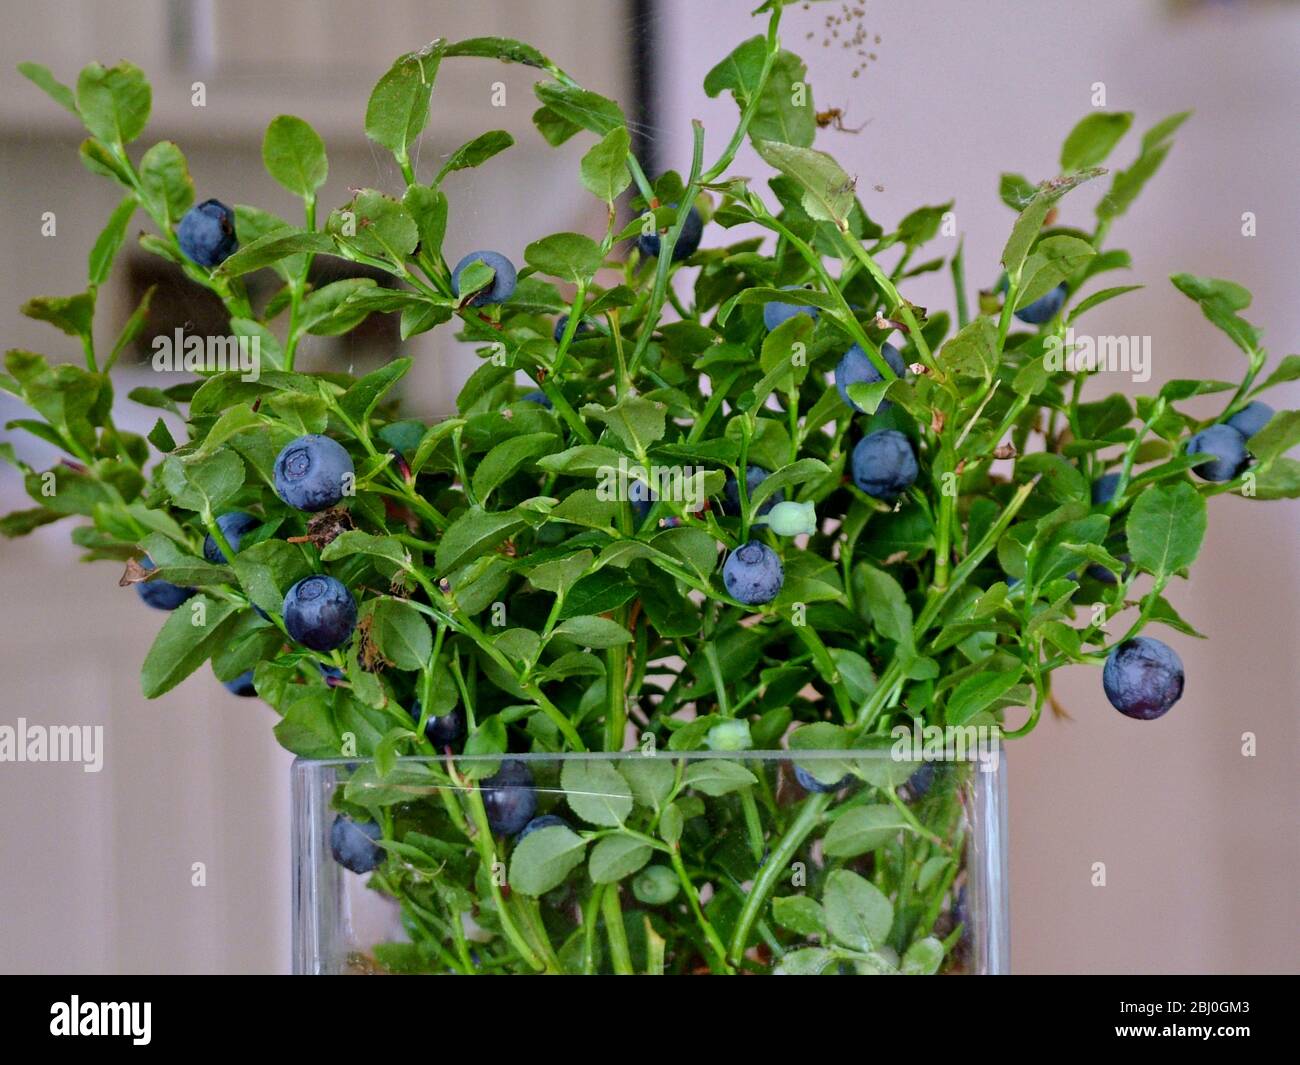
(751, 498)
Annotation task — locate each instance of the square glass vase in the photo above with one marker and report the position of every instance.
(751, 862)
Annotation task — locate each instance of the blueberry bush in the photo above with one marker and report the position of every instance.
(705, 491)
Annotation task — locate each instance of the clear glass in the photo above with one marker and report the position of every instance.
(709, 862)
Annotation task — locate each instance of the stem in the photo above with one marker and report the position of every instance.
(710, 933)
(619, 954)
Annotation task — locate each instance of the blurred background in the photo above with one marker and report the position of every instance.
(1199, 842)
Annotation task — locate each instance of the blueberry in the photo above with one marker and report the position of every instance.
(441, 731)
(775, 313)
(545, 821)
(161, 595)
(641, 498)
(884, 464)
(753, 574)
(207, 233)
(562, 323)
(353, 844)
(241, 685)
(687, 240)
(503, 283)
(320, 613)
(1228, 448)
(232, 526)
(1103, 489)
(810, 783)
(732, 735)
(509, 798)
(536, 396)
(754, 476)
(655, 885)
(1045, 308)
(857, 368)
(919, 783)
(1143, 678)
(313, 472)
(1251, 418)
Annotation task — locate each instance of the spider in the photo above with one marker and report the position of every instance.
(834, 118)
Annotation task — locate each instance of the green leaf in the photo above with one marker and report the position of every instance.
(1286, 370)
(923, 958)
(615, 857)
(1165, 528)
(716, 776)
(885, 603)
(589, 110)
(592, 631)
(1016, 191)
(863, 829)
(604, 168)
(545, 858)
(651, 779)
(401, 633)
(638, 422)
(476, 152)
(1030, 221)
(562, 574)
(503, 48)
(359, 401)
(165, 181)
(827, 189)
(202, 484)
(568, 256)
(1279, 436)
(1280, 479)
(858, 915)
(1054, 259)
(778, 117)
(978, 692)
(799, 914)
(356, 542)
(380, 227)
(806, 961)
(72, 315)
(973, 351)
(1101, 296)
(109, 241)
(596, 792)
(1093, 138)
(182, 646)
(1126, 184)
(114, 102)
(399, 103)
(428, 206)
(474, 533)
(294, 155)
(1219, 302)
(554, 127)
(272, 248)
(41, 77)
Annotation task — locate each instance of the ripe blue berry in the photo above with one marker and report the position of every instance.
(775, 313)
(353, 844)
(919, 783)
(1251, 418)
(1103, 489)
(1228, 448)
(232, 526)
(509, 798)
(857, 368)
(320, 613)
(1045, 308)
(641, 498)
(1143, 678)
(884, 464)
(810, 783)
(536, 396)
(161, 595)
(313, 472)
(655, 885)
(545, 821)
(503, 283)
(754, 476)
(207, 234)
(687, 240)
(241, 685)
(753, 574)
(441, 731)
(562, 323)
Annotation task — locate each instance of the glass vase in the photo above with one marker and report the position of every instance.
(781, 862)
